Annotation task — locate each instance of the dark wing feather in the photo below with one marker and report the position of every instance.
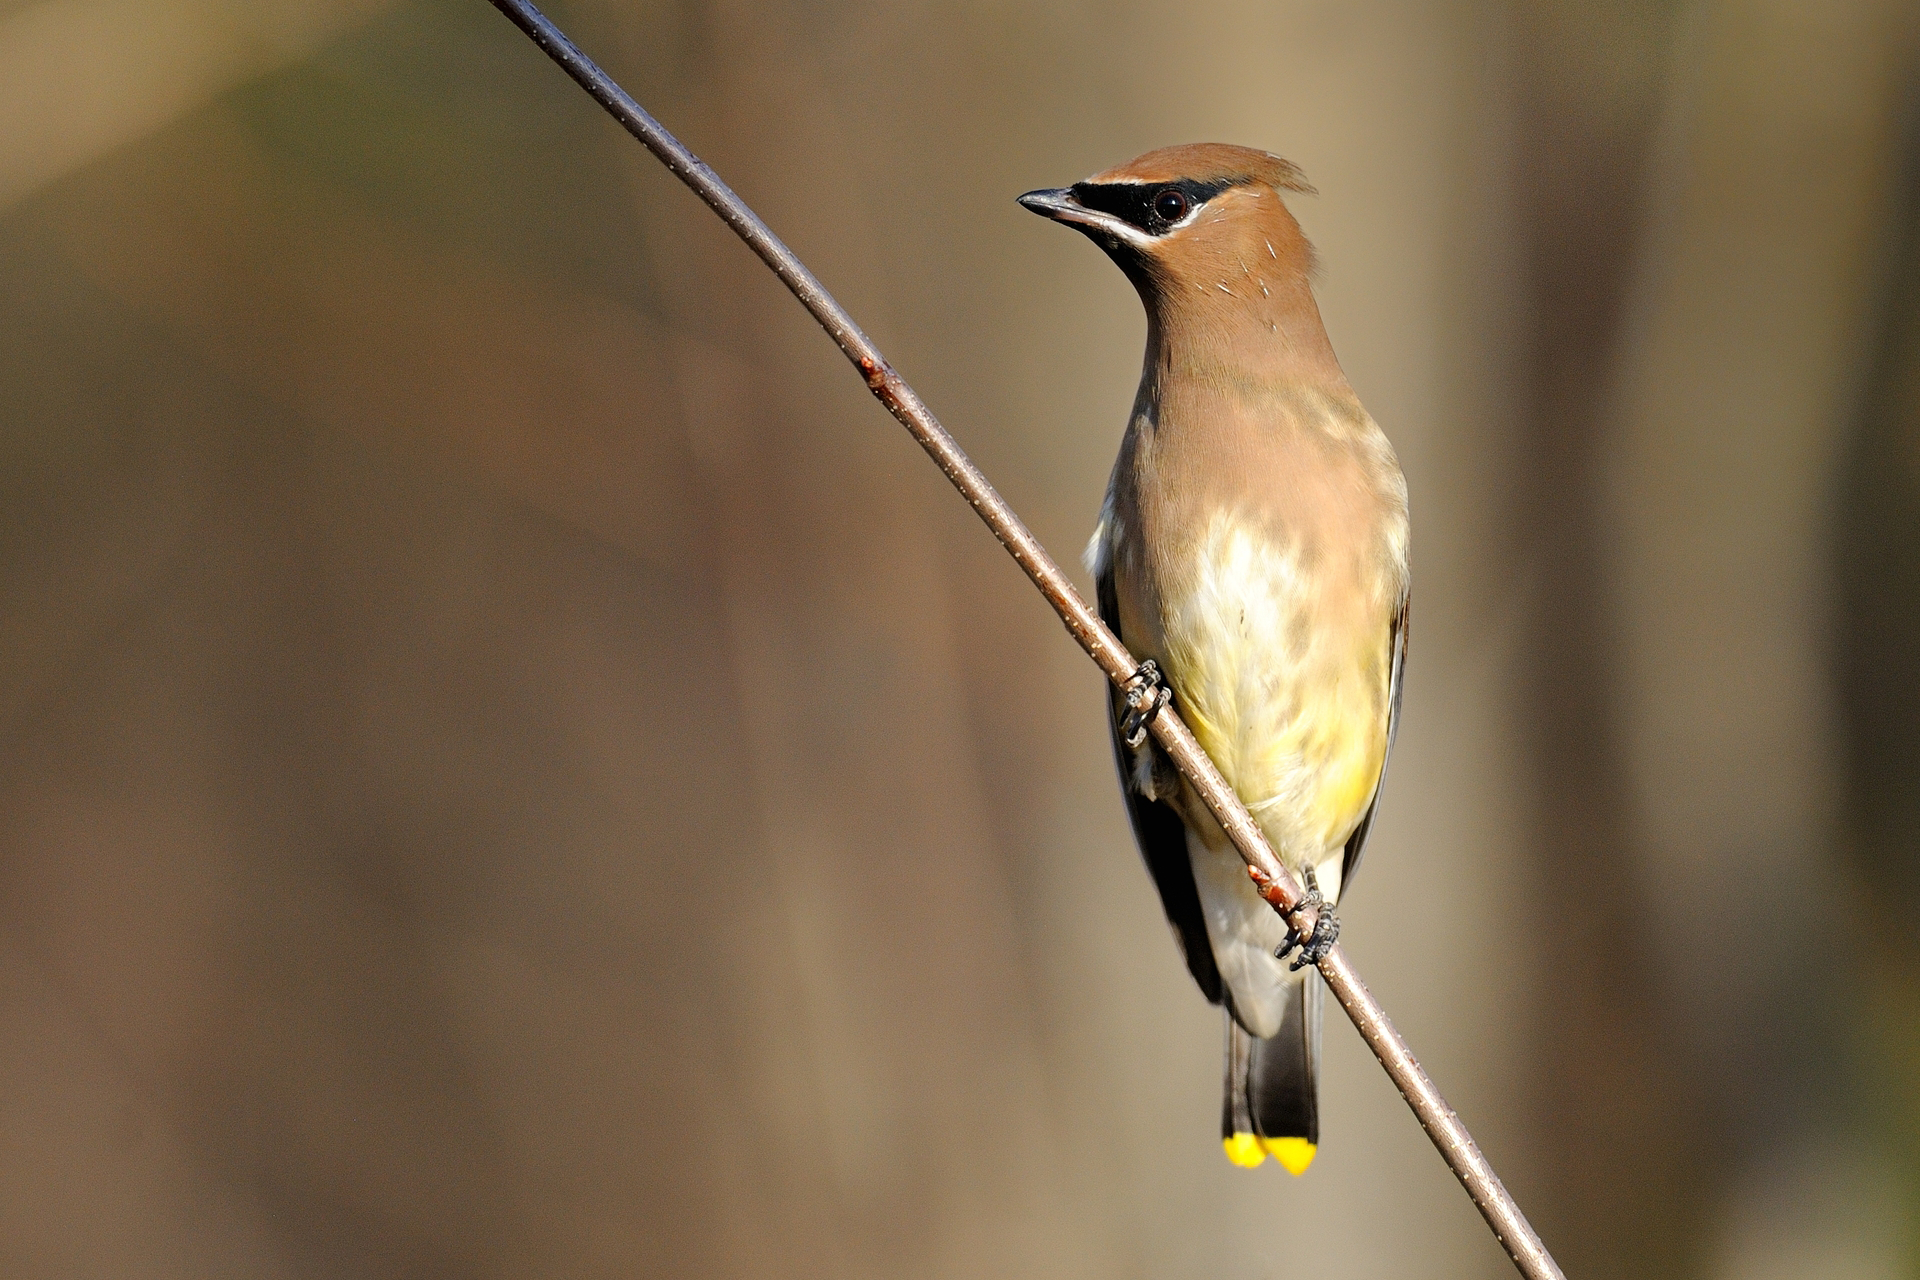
(1357, 842)
(1161, 835)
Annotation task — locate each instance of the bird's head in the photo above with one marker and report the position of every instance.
(1202, 232)
(1175, 214)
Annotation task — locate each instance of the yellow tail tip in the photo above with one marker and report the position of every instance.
(1244, 1150)
(1294, 1154)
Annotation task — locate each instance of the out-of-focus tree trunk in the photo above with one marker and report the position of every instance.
(1876, 655)
(1749, 329)
(1615, 1132)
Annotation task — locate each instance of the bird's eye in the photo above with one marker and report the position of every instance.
(1171, 204)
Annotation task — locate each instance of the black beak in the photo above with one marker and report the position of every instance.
(1061, 205)
(1056, 203)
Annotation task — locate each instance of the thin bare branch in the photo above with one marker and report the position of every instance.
(1277, 885)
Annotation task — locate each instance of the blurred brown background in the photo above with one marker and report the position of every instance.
(514, 766)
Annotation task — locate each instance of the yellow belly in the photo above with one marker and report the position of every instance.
(1287, 693)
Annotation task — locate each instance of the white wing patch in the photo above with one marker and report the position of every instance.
(1106, 533)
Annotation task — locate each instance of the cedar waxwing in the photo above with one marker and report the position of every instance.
(1253, 545)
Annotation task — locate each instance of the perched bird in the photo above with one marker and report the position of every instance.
(1253, 545)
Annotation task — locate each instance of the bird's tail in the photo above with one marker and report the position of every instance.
(1273, 1086)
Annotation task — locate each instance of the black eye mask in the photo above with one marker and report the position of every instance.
(1141, 204)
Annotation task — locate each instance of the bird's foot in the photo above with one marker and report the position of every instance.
(1314, 946)
(1146, 693)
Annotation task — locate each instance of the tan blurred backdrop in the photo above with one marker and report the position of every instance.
(514, 766)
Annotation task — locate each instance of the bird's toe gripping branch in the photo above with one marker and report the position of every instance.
(1313, 946)
(1146, 693)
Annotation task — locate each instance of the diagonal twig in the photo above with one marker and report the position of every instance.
(1276, 884)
